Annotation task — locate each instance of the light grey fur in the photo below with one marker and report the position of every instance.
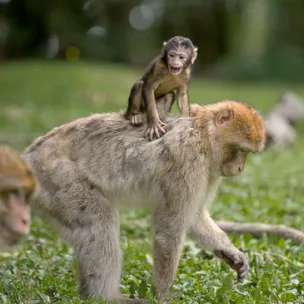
(88, 167)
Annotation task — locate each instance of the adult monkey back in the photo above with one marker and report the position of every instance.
(89, 166)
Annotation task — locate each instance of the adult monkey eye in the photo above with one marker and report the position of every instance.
(16, 192)
(27, 195)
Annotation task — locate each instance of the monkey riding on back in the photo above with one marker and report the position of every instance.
(166, 73)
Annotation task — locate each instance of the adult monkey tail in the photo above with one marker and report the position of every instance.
(258, 229)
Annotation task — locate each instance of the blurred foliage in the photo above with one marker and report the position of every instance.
(237, 39)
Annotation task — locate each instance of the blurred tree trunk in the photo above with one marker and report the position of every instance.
(205, 21)
(27, 28)
(116, 17)
(252, 34)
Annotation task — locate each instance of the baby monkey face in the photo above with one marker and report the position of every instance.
(178, 53)
(177, 61)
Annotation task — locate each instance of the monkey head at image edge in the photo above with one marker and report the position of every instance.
(17, 185)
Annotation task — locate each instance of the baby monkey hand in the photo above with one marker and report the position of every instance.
(154, 128)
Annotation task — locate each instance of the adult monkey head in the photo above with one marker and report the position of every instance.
(17, 184)
(236, 130)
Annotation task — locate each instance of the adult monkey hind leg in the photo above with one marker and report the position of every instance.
(134, 106)
(91, 225)
(99, 255)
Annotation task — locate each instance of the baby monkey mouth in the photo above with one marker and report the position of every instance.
(174, 71)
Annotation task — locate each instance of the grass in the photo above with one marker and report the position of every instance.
(37, 96)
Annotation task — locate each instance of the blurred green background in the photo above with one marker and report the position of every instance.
(60, 60)
(237, 39)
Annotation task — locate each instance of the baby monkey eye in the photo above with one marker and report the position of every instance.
(182, 57)
(171, 55)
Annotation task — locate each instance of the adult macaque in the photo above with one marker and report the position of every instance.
(88, 167)
(17, 184)
(168, 72)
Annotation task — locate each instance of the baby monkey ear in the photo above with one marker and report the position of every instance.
(194, 55)
(224, 116)
(164, 43)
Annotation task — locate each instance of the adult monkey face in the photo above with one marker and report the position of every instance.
(237, 131)
(17, 184)
(178, 53)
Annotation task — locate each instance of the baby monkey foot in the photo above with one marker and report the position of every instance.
(154, 128)
(137, 119)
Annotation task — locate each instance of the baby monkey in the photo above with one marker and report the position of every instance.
(166, 73)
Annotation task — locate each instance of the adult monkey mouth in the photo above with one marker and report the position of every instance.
(11, 237)
(174, 71)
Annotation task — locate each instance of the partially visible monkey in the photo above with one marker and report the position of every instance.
(168, 72)
(17, 184)
(88, 167)
(281, 120)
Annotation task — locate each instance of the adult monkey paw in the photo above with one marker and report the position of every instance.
(235, 259)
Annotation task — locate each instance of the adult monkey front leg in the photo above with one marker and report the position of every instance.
(170, 226)
(207, 233)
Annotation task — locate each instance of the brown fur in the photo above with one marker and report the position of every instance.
(17, 184)
(158, 81)
(88, 167)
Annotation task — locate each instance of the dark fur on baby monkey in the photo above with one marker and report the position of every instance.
(166, 73)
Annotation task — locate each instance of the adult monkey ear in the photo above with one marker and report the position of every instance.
(194, 55)
(223, 117)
